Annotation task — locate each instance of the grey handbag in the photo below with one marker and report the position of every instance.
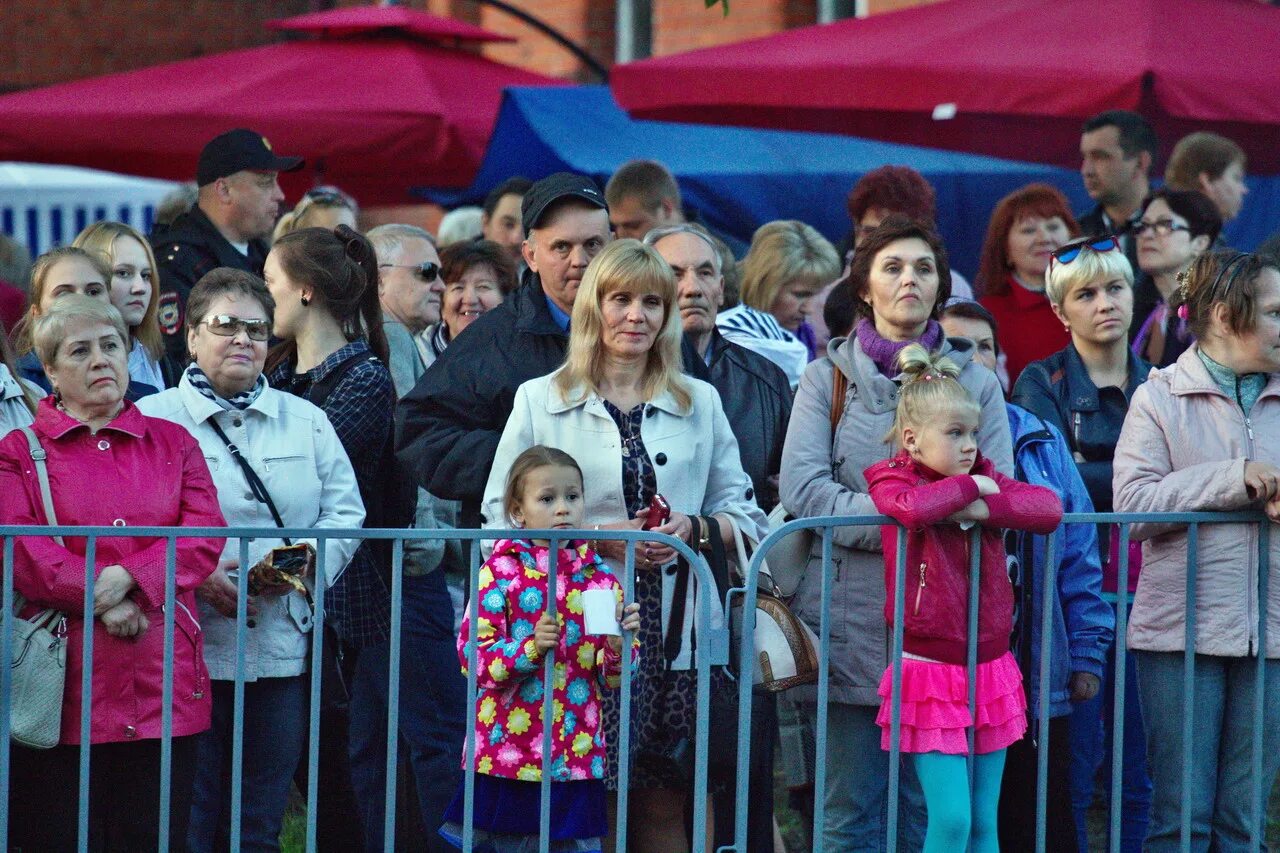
(39, 662)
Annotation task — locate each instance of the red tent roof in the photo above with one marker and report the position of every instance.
(369, 19)
(374, 114)
(1016, 77)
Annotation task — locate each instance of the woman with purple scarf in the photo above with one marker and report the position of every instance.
(899, 281)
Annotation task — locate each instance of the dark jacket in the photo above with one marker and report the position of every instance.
(1058, 389)
(936, 604)
(757, 401)
(448, 426)
(1177, 338)
(1083, 624)
(1096, 223)
(186, 250)
(30, 369)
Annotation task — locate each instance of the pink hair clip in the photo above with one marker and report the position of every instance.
(1182, 311)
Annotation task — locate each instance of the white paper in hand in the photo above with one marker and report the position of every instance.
(600, 612)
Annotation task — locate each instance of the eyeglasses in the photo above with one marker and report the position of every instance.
(228, 327)
(1161, 227)
(427, 270)
(1068, 253)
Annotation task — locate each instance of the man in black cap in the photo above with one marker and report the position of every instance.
(239, 200)
(448, 426)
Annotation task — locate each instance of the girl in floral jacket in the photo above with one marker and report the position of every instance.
(514, 634)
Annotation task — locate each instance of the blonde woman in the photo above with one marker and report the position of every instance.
(135, 292)
(322, 207)
(640, 428)
(787, 264)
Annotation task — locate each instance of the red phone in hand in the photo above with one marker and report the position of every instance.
(659, 513)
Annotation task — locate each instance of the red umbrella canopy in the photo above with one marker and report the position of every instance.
(1011, 78)
(374, 113)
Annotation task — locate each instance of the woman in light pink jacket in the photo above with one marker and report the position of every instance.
(1204, 435)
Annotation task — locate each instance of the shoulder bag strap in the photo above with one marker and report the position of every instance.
(839, 387)
(38, 456)
(256, 486)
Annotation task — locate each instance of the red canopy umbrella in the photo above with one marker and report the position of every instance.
(1011, 78)
(380, 101)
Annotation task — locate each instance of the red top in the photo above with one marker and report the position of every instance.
(937, 591)
(135, 471)
(1029, 330)
(13, 303)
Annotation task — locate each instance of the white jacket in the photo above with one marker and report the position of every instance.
(13, 408)
(294, 450)
(695, 456)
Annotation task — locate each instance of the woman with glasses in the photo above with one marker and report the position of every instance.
(1026, 226)
(1204, 435)
(1084, 390)
(276, 461)
(1175, 228)
(322, 207)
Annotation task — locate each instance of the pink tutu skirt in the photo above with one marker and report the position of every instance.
(935, 706)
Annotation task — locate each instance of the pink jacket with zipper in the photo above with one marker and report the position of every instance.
(936, 606)
(134, 472)
(1183, 449)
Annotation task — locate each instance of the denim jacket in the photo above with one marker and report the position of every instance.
(1083, 624)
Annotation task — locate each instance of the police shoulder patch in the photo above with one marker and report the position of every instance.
(169, 313)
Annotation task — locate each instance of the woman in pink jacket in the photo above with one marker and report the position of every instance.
(1204, 435)
(108, 465)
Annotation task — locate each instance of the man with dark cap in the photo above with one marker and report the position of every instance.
(448, 426)
(237, 204)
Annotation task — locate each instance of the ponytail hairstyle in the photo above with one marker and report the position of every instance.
(930, 389)
(341, 269)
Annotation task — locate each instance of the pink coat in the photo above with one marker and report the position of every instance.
(1182, 449)
(136, 471)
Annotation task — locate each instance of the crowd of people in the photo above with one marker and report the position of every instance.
(582, 358)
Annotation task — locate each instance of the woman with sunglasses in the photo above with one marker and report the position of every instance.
(322, 207)
(1175, 228)
(1204, 435)
(287, 469)
(1026, 226)
(1084, 390)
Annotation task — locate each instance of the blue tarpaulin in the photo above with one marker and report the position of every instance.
(739, 178)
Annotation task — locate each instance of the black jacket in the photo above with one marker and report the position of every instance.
(1059, 390)
(1177, 338)
(757, 401)
(448, 426)
(1096, 224)
(186, 250)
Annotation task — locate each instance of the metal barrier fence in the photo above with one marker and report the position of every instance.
(712, 649)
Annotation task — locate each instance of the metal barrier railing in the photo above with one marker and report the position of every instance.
(712, 649)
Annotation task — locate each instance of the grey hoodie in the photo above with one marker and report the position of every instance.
(822, 475)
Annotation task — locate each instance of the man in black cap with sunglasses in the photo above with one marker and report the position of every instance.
(237, 206)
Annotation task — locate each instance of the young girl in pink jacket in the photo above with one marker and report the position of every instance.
(939, 486)
(514, 635)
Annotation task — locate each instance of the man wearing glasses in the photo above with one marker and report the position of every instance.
(238, 202)
(410, 289)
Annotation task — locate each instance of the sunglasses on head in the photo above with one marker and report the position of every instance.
(1068, 253)
(427, 270)
(228, 327)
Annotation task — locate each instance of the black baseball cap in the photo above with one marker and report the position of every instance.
(240, 149)
(554, 188)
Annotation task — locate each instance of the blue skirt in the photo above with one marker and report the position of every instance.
(510, 807)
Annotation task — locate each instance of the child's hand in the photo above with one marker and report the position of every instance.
(976, 511)
(629, 616)
(986, 485)
(546, 634)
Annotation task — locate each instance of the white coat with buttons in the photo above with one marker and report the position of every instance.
(700, 472)
(294, 450)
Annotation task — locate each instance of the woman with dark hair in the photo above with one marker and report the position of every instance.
(1175, 228)
(1027, 225)
(899, 280)
(478, 275)
(334, 354)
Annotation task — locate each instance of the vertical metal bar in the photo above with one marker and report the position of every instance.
(1048, 606)
(473, 661)
(975, 578)
(895, 694)
(237, 716)
(1118, 716)
(317, 671)
(1188, 682)
(702, 711)
(824, 688)
(548, 703)
(86, 689)
(6, 684)
(166, 690)
(624, 711)
(746, 652)
(393, 692)
(1260, 686)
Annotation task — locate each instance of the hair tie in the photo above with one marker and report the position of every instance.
(1182, 311)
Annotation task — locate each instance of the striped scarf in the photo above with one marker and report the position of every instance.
(240, 401)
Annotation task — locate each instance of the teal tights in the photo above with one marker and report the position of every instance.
(957, 819)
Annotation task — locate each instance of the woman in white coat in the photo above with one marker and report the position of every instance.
(18, 397)
(223, 400)
(638, 427)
